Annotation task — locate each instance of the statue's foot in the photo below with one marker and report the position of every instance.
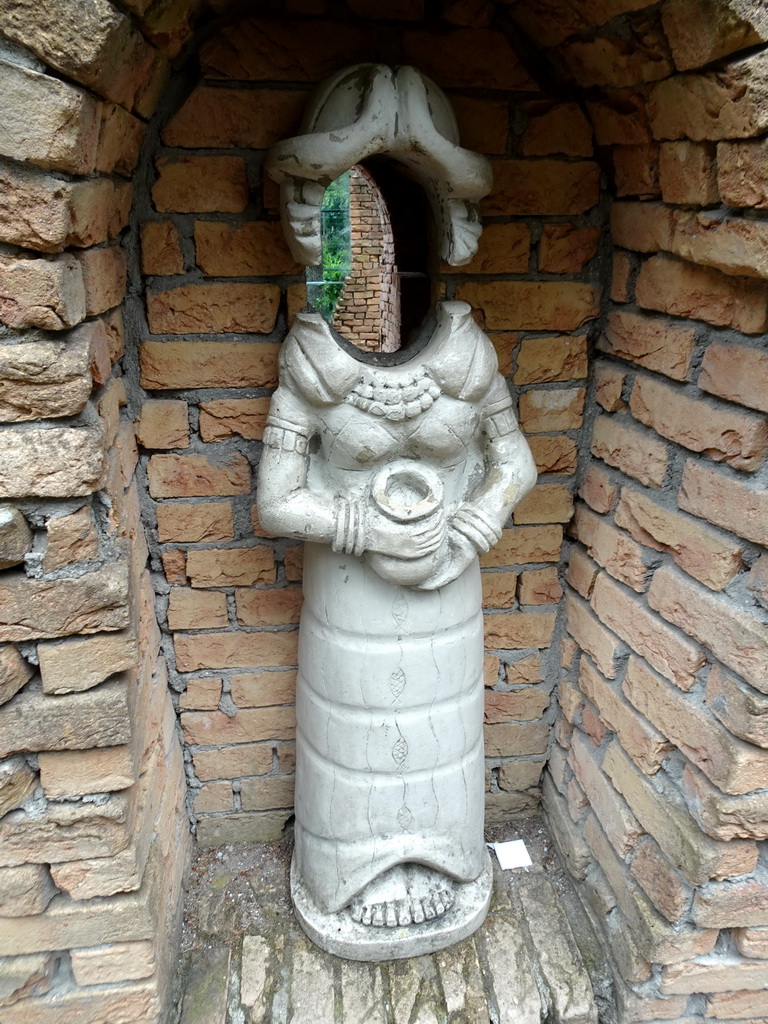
(406, 894)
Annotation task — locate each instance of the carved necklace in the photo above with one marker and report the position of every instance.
(400, 398)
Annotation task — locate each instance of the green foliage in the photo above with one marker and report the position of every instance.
(324, 293)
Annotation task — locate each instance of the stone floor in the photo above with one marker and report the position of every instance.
(246, 961)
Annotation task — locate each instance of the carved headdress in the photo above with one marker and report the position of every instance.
(370, 110)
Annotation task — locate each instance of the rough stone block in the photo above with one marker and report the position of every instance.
(25, 891)
(47, 293)
(637, 453)
(742, 173)
(14, 672)
(17, 782)
(219, 307)
(222, 118)
(117, 962)
(688, 173)
(24, 977)
(201, 184)
(104, 278)
(45, 377)
(547, 188)
(160, 248)
(724, 501)
(70, 773)
(737, 373)
(555, 128)
(612, 549)
(83, 662)
(205, 364)
(15, 537)
(700, 31)
(652, 342)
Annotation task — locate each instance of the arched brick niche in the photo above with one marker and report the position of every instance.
(656, 784)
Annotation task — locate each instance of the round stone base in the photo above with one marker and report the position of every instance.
(340, 935)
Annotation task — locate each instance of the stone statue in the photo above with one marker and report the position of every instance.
(397, 476)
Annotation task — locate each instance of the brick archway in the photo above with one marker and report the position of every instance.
(659, 754)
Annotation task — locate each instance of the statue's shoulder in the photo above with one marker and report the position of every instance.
(318, 368)
(461, 358)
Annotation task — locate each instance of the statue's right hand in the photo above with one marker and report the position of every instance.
(402, 539)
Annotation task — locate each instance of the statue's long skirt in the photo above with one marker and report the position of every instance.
(389, 742)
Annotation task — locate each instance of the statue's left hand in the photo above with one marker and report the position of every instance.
(459, 554)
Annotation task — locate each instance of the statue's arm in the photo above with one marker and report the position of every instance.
(510, 471)
(287, 507)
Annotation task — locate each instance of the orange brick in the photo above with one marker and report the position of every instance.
(642, 227)
(104, 277)
(652, 342)
(172, 365)
(231, 567)
(548, 188)
(163, 424)
(525, 671)
(491, 669)
(620, 118)
(202, 694)
(725, 434)
(737, 373)
(214, 728)
(688, 173)
(532, 305)
(543, 360)
(200, 184)
(481, 58)
(194, 609)
(725, 502)
(752, 942)
(636, 170)
(637, 453)
(499, 589)
(515, 739)
(610, 548)
(738, 639)
(674, 656)
(264, 794)
(539, 586)
(160, 248)
(233, 762)
(639, 53)
(255, 249)
(518, 705)
(546, 503)
(621, 273)
(609, 385)
(293, 562)
(218, 307)
(505, 343)
(231, 417)
(659, 880)
(699, 33)
(647, 747)
(518, 630)
(276, 607)
(742, 173)
(175, 566)
(601, 645)
(597, 490)
(555, 128)
(742, 710)
(201, 521)
(215, 118)
(262, 689)
(581, 572)
(699, 550)
(196, 476)
(503, 249)
(544, 411)
(700, 293)
(524, 544)
(236, 649)
(619, 823)
(554, 454)
(567, 249)
(722, 104)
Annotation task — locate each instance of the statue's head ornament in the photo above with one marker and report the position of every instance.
(373, 110)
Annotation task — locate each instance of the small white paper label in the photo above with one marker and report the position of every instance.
(513, 854)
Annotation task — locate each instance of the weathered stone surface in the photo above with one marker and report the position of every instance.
(742, 173)
(532, 305)
(714, 974)
(700, 31)
(223, 118)
(72, 538)
(25, 891)
(729, 103)
(160, 248)
(17, 782)
(724, 501)
(163, 423)
(46, 121)
(14, 672)
(183, 476)
(34, 721)
(205, 998)
(93, 44)
(250, 249)
(206, 364)
(120, 961)
(26, 976)
(47, 293)
(46, 377)
(638, 453)
(741, 709)
(654, 343)
(725, 817)
(737, 373)
(214, 308)
(52, 462)
(201, 184)
(70, 773)
(639, 53)
(36, 609)
(15, 537)
(82, 662)
(64, 832)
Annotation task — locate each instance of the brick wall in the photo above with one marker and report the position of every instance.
(368, 310)
(221, 288)
(657, 784)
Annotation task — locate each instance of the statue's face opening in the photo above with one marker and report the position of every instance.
(372, 283)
